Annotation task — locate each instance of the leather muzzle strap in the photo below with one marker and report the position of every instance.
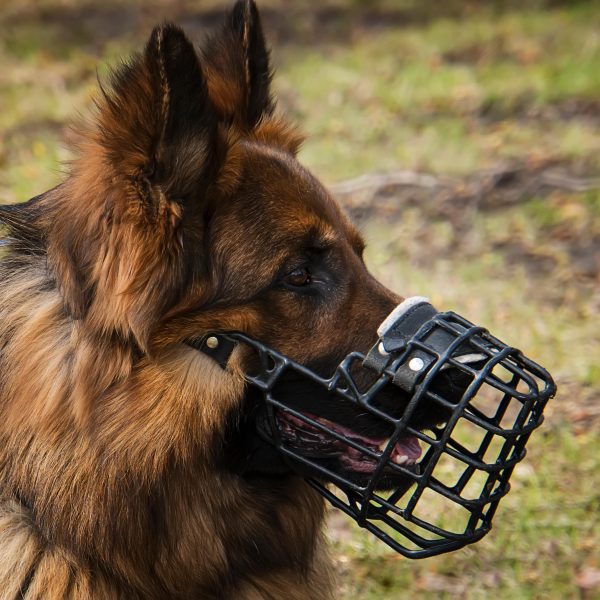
(217, 347)
(395, 334)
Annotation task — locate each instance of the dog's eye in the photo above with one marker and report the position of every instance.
(298, 277)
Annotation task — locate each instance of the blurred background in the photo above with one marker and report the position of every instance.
(464, 139)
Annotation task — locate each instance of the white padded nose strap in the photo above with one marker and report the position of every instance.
(398, 312)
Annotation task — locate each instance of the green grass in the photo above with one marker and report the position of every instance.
(448, 88)
(429, 95)
(433, 97)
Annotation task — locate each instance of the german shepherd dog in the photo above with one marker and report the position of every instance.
(130, 463)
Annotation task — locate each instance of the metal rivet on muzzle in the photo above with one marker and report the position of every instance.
(416, 364)
(212, 342)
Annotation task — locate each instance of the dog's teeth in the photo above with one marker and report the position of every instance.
(400, 459)
(383, 445)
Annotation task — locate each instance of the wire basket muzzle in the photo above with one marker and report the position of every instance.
(488, 394)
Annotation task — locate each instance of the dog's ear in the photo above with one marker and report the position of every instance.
(157, 124)
(236, 63)
(122, 258)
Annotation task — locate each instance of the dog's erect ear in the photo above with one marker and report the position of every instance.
(236, 63)
(123, 259)
(157, 124)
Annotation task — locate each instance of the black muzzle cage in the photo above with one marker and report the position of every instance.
(447, 499)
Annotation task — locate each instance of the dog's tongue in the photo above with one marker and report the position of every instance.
(406, 450)
(408, 447)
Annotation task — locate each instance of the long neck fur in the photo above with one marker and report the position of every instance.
(126, 501)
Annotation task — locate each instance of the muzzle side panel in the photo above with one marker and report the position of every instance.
(445, 499)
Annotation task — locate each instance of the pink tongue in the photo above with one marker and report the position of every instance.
(408, 447)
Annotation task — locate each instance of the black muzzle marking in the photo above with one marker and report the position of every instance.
(489, 396)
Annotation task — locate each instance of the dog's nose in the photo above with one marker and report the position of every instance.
(451, 383)
(418, 348)
(411, 356)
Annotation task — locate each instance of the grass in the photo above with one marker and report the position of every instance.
(496, 274)
(443, 87)
(433, 97)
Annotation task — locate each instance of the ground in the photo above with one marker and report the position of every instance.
(487, 115)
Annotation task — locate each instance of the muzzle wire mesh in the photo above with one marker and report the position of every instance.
(449, 498)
